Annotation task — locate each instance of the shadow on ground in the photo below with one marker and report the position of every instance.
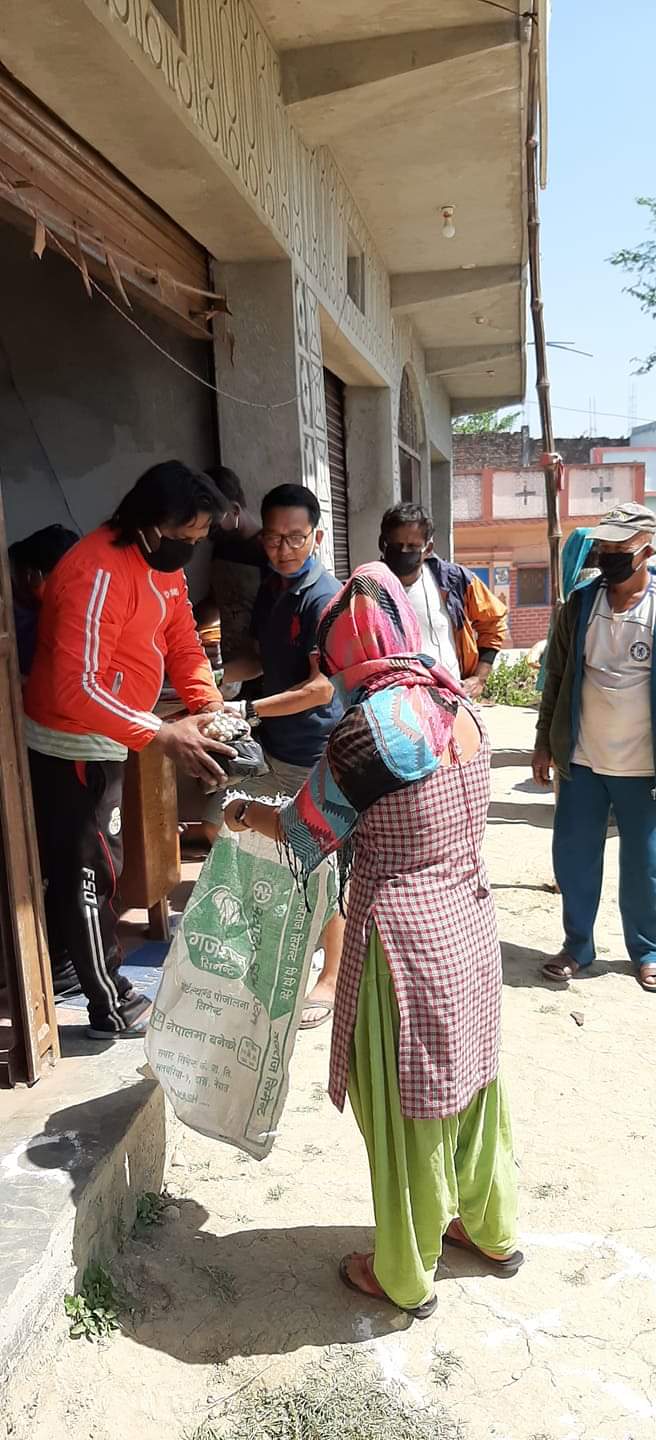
(508, 812)
(522, 966)
(204, 1298)
(517, 759)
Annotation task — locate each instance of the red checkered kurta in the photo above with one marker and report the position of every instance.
(418, 876)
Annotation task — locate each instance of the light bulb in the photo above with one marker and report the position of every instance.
(448, 226)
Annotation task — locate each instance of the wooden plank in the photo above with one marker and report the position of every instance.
(21, 895)
(150, 830)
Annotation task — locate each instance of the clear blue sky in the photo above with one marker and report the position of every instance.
(602, 154)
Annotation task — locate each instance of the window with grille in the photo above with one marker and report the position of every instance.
(355, 272)
(410, 439)
(533, 585)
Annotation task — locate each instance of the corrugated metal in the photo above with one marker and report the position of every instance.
(334, 390)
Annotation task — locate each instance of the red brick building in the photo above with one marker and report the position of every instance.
(499, 510)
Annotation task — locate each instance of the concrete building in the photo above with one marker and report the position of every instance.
(500, 514)
(640, 449)
(285, 234)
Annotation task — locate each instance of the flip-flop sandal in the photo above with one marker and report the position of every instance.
(419, 1312)
(509, 1266)
(642, 980)
(323, 1019)
(560, 972)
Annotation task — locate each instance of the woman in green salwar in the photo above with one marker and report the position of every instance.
(401, 795)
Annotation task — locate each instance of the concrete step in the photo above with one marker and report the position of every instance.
(76, 1152)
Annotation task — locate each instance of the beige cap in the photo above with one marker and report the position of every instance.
(623, 522)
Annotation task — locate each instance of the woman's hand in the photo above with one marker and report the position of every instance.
(259, 816)
(230, 815)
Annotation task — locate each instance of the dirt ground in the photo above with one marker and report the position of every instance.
(238, 1287)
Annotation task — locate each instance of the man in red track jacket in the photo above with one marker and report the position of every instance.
(115, 614)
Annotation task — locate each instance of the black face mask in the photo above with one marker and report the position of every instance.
(618, 565)
(402, 562)
(170, 555)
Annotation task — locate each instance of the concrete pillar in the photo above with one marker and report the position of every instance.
(442, 507)
(275, 364)
(370, 432)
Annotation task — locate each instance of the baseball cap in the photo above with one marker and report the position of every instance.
(624, 522)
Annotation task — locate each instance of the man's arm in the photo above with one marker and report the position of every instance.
(487, 614)
(309, 695)
(247, 665)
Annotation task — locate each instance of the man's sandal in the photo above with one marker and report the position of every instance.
(561, 969)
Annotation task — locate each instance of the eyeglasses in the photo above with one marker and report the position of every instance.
(273, 540)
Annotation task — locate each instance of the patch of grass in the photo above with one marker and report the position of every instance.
(445, 1365)
(224, 1284)
(575, 1277)
(357, 1405)
(94, 1311)
(206, 1431)
(512, 684)
(275, 1193)
(149, 1212)
(548, 1190)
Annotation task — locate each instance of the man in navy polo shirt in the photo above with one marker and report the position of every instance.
(299, 707)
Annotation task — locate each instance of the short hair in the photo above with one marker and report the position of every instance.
(406, 513)
(42, 550)
(228, 483)
(288, 497)
(166, 494)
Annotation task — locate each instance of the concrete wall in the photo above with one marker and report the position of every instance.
(86, 404)
(241, 178)
(370, 443)
(262, 445)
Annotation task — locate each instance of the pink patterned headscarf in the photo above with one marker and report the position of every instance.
(369, 637)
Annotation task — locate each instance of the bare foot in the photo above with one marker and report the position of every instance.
(648, 976)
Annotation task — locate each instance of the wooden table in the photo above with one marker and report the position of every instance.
(151, 867)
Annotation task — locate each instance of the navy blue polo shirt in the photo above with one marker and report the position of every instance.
(285, 621)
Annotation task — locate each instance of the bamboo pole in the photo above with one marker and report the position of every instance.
(550, 461)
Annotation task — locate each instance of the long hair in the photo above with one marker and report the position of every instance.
(167, 494)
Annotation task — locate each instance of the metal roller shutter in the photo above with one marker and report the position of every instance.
(334, 390)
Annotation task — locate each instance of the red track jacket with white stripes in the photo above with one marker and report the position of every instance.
(109, 627)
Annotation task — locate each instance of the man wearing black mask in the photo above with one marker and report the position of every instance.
(115, 613)
(463, 625)
(597, 727)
